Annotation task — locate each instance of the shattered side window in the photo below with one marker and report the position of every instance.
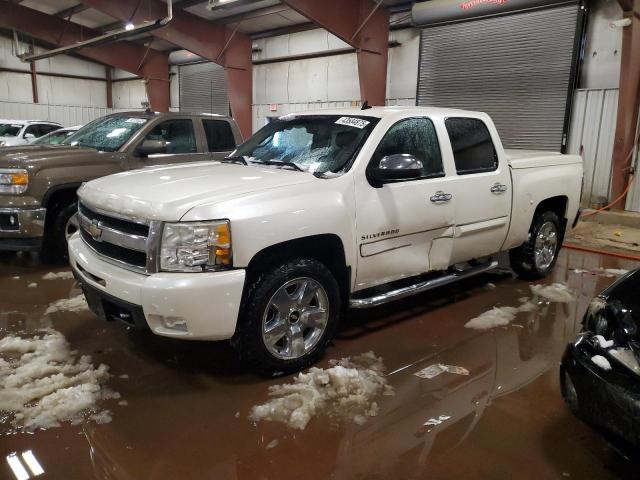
(416, 137)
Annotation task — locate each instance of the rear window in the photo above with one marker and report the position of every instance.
(473, 149)
(219, 135)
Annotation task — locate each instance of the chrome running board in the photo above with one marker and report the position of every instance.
(420, 287)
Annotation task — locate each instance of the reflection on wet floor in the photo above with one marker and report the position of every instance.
(505, 419)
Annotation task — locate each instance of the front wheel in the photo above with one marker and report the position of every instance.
(63, 225)
(535, 258)
(289, 315)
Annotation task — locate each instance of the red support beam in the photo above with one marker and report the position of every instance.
(125, 55)
(363, 24)
(215, 42)
(109, 86)
(628, 102)
(34, 82)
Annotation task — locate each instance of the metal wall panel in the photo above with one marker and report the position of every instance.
(593, 124)
(515, 67)
(66, 115)
(633, 198)
(203, 88)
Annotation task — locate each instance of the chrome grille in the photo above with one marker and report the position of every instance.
(126, 242)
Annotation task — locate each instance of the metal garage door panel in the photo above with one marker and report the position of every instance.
(516, 67)
(203, 88)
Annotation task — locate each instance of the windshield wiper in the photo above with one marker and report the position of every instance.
(282, 164)
(236, 159)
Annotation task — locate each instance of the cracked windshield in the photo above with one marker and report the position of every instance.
(318, 144)
(107, 134)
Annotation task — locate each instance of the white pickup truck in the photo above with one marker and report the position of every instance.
(317, 212)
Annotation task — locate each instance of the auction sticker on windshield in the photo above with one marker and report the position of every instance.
(136, 120)
(352, 122)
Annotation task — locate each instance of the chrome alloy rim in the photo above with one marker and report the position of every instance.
(546, 245)
(295, 318)
(72, 226)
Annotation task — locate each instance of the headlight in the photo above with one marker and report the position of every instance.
(13, 180)
(195, 246)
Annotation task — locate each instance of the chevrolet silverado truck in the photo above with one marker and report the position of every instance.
(38, 183)
(314, 213)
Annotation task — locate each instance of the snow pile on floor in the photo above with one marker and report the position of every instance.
(74, 304)
(616, 271)
(432, 422)
(347, 390)
(496, 317)
(503, 316)
(43, 383)
(601, 362)
(556, 292)
(58, 276)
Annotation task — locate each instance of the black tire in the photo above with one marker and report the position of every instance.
(523, 259)
(54, 247)
(248, 339)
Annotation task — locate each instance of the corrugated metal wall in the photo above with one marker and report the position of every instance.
(515, 67)
(203, 88)
(66, 115)
(593, 124)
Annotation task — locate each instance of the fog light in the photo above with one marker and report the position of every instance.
(177, 324)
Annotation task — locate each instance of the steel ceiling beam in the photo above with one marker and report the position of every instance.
(628, 103)
(209, 40)
(69, 12)
(123, 55)
(363, 24)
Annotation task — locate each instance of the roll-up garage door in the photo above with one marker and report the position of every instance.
(203, 88)
(515, 67)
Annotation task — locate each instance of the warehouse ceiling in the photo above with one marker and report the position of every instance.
(256, 18)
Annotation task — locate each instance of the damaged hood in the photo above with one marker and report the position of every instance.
(167, 193)
(25, 156)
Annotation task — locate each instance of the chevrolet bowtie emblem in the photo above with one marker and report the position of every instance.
(94, 230)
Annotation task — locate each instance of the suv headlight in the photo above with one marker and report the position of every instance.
(195, 246)
(13, 180)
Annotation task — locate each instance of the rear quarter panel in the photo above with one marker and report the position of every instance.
(533, 185)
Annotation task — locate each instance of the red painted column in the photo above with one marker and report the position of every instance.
(214, 42)
(628, 102)
(364, 25)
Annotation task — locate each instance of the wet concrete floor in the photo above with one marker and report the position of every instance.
(508, 419)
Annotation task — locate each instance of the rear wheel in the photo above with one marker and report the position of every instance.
(535, 258)
(289, 315)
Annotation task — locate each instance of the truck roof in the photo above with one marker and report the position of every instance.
(149, 114)
(388, 111)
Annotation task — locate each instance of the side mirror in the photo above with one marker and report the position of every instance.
(28, 136)
(151, 147)
(400, 166)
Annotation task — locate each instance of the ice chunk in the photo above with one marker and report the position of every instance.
(604, 343)
(616, 271)
(75, 304)
(272, 444)
(44, 383)
(496, 317)
(58, 276)
(490, 286)
(346, 391)
(601, 362)
(556, 292)
(32, 285)
(432, 422)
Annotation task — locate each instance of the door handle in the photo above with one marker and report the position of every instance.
(440, 197)
(498, 188)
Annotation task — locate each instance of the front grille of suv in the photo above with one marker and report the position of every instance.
(117, 239)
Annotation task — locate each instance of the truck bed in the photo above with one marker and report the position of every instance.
(538, 158)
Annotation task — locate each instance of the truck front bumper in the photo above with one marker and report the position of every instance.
(191, 306)
(21, 228)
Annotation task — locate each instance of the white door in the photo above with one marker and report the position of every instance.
(405, 222)
(482, 188)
